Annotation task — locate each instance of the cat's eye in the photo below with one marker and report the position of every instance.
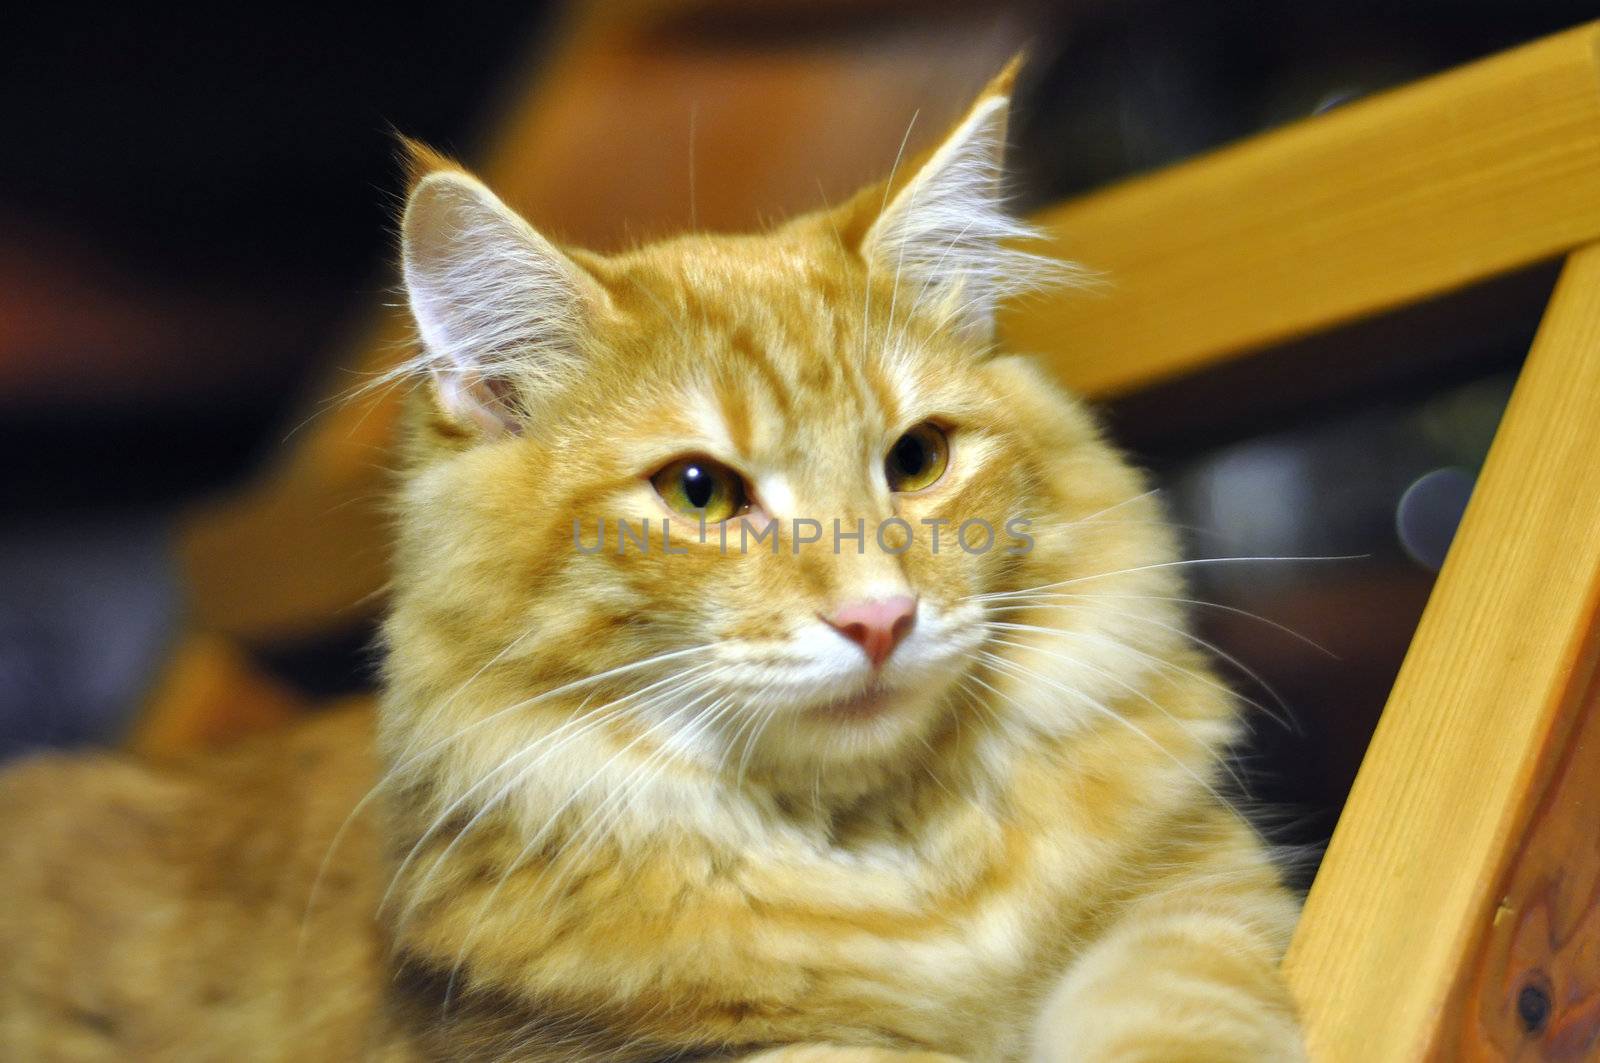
(918, 458)
(703, 489)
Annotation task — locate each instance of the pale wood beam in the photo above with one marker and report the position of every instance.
(1377, 204)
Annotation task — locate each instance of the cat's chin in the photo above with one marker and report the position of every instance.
(872, 721)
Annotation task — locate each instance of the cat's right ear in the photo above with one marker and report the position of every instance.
(500, 309)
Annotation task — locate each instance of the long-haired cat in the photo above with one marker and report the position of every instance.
(693, 743)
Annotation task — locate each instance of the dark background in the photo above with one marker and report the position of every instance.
(193, 206)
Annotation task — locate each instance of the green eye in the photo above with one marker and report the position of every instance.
(917, 459)
(703, 489)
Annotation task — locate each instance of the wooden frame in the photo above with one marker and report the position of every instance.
(1457, 912)
(1465, 871)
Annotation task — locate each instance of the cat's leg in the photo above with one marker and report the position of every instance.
(1188, 974)
(821, 1053)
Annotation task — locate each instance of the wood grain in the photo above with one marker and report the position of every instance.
(1531, 989)
(1503, 650)
(1371, 206)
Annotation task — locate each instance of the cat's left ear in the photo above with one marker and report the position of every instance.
(944, 228)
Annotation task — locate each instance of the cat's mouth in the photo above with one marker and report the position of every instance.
(867, 704)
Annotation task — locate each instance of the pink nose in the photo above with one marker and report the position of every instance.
(876, 626)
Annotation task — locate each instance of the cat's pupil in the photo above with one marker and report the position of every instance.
(697, 486)
(910, 455)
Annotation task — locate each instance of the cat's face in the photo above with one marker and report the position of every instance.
(787, 469)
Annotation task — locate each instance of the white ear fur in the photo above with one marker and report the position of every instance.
(946, 232)
(498, 306)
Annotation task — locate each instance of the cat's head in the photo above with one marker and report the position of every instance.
(786, 391)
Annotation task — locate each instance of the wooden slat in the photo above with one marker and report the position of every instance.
(1500, 660)
(1374, 205)
(209, 694)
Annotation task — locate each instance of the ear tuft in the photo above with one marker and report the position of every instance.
(945, 231)
(499, 308)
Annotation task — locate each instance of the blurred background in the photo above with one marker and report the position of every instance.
(195, 272)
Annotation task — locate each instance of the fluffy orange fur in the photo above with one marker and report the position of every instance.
(645, 805)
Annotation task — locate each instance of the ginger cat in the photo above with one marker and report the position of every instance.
(807, 796)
